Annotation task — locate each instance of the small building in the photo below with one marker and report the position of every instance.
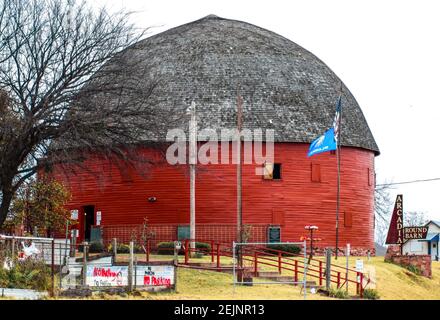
(429, 245)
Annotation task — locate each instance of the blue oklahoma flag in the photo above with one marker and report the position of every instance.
(324, 143)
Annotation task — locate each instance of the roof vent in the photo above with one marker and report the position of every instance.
(211, 16)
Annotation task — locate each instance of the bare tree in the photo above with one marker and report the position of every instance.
(414, 219)
(383, 207)
(54, 105)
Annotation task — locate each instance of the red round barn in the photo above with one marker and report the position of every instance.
(285, 88)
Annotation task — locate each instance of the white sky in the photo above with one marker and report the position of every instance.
(386, 52)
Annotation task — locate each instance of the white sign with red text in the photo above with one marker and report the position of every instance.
(154, 276)
(117, 276)
(100, 276)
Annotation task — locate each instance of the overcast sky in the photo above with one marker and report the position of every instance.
(386, 52)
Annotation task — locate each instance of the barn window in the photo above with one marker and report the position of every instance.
(316, 172)
(277, 171)
(370, 177)
(347, 219)
(272, 171)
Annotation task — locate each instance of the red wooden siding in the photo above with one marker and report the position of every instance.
(293, 201)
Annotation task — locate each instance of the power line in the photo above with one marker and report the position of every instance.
(407, 182)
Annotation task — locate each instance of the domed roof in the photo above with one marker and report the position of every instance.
(209, 61)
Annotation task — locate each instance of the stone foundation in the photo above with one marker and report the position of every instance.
(421, 262)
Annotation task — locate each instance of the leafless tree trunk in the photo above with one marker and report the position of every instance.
(54, 106)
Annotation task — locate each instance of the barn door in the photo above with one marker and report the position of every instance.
(88, 221)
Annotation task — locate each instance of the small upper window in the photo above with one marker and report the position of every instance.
(272, 171)
(277, 171)
(316, 172)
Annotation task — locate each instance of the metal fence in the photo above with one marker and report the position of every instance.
(104, 271)
(73, 266)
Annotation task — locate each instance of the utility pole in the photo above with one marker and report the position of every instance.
(338, 159)
(192, 177)
(239, 187)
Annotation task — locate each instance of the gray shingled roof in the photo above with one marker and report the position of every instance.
(284, 87)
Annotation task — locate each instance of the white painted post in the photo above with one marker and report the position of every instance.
(85, 248)
(347, 255)
(130, 267)
(192, 164)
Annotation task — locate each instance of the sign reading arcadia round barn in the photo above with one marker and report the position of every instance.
(397, 234)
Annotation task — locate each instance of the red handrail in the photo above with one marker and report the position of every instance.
(279, 259)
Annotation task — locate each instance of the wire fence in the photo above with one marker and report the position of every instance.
(72, 266)
(151, 263)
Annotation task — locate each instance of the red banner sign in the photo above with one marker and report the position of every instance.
(395, 232)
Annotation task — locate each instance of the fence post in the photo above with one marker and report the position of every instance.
(53, 267)
(135, 272)
(357, 282)
(115, 249)
(296, 271)
(279, 262)
(361, 289)
(328, 261)
(73, 243)
(320, 273)
(347, 255)
(186, 251)
(212, 251)
(338, 284)
(130, 267)
(62, 263)
(84, 263)
(255, 263)
(13, 248)
(218, 256)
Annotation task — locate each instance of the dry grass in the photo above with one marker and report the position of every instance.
(392, 282)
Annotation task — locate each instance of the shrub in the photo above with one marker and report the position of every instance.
(167, 248)
(96, 247)
(125, 248)
(28, 274)
(338, 293)
(202, 246)
(289, 249)
(413, 269)
(371, 294)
